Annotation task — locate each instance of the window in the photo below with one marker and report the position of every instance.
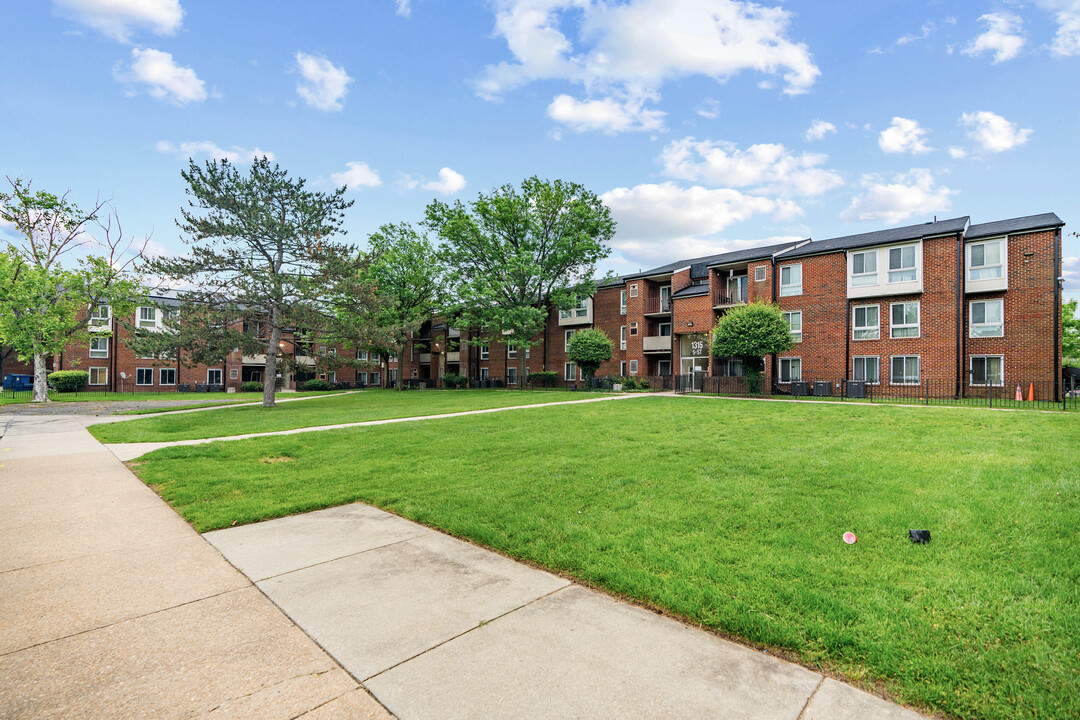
(633, 290)
(904, 370)
(511, 354)
(865, 369)
(791, 280)
(144, 376)
(147, 317)
(633, 367)
(761, 274)
(234, 373)
(373, 378)
(99, 347)
(866, 323)
(633, 328)
(331, 376)
(622, 302)
(568, 371)
(361, 355)
(905, 320)
(864, 268)
(528, 353)
(790, 370)
(622, 369)
(99, 376)
(986, 260)
(511, 376)
(392, 358)
(167, 376)
(483, 373)
(213, 376)
(986, 319)
(100, 314)
(902, 264)
(566, 338)
(580, 311)
(485, 351)
(664, 329)
(622, 337)
(794, 323)
(987, 370)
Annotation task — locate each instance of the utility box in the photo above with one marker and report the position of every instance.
(822, 388)
(800, 388)
(856, 389)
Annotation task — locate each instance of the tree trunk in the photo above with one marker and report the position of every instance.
(270, 369)
(41, 387)
(523, 368)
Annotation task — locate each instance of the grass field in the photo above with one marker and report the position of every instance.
(354, 407)
(194, 399)
(729, 514)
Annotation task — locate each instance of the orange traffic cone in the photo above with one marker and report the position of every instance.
(1031, 392)
(1019, 393)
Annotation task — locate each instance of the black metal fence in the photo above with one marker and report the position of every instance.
(1015, 394)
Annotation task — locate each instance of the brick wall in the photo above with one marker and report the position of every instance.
(823, 303)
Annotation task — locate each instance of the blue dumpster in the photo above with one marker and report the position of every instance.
(18, 382)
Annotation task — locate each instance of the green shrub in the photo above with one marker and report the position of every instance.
(452, 381)
(251, 386)
(590, 349)
(68, 380)
(546, 378)
(317, 385)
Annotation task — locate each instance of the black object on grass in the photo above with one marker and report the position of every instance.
(919, 536)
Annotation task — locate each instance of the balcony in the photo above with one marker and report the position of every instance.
(658, 306)
(656, 343)
(725, 300)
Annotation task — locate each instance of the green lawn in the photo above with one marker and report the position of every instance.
(195, 399)
(729, 514)
(355, 407)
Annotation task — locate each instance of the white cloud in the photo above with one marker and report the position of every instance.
(356, 176)
(163, 78)
(449, 182)
(404, 8)
(710, 109)
(119, 19)
(628, 50)
(1067, 14)
(193, 149)
(903, 135)
(924, 32)
(769, 168)
(819, 129)
(993, 132)
(324, 85)
(957, 153)
(607, 115)
(909, 193)
(1070, 270)
(1004, 37)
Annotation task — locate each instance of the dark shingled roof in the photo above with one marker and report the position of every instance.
(700, 265)
(880, 237)
(690, 291)
(1014, 225)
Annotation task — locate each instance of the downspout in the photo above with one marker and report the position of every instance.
(776, 301)
(961, 336)
(1057, 311)
(847, 342)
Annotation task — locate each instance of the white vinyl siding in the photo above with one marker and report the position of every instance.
(987, 370)
(866, 323)
(904, 370)
(866, 369)
(904, 320)
(985, 318)
(791, 280)
(794, 323)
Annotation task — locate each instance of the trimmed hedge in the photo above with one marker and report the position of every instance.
(545, 378)
(68, 380)
(251, 386)
(317, 385)
(453, 381)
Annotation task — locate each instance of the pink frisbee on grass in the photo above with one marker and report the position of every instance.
(850, 539)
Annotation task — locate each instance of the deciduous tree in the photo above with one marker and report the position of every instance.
(590, 348)
(749, 333)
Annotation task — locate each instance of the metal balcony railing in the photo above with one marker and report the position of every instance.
(723, 298)
(656, 306)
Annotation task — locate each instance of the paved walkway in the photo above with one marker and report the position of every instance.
(104, 416)
(130, 451)
(111, 606)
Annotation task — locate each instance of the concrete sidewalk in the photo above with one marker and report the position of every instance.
(437, 628)
(112, 607)
(130, 451)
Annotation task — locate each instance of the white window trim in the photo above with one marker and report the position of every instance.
(855, 328)
(161, 376)
(622, 337)
(918, 370)
(484, 373)
(139, 371)
(791, 289)
(915, 263)
(875, 274)
(633, 290)
(633, 328)
(568, 371)
(633, 368)
(567, 334)
(213, 370)
(971, 371)
(972, 325)
(622, 368)
(102, 371)
(763, 272)
(91, 349)
(622, 302)
(791, 332)
(511, 354)
(917, 325)
(876, 358)
(780, 374)
(97, 319)
(1004, 264)
(485, 352)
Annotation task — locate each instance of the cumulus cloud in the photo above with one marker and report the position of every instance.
(993, 132)
(1003, 36)
(909, 193)
(627, 51)
(119, 19)
(768, 168)
(956, 153)
(162, 77)
(449, 182)
(206, 148)
(903, 135)
(323, 85)
(606, 115)
(1067, 15)
(356, 176)
(819, 129)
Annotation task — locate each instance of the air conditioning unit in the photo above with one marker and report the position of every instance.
(856, 389)
(822, 388)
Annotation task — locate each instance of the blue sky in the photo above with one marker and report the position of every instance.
(705, 124)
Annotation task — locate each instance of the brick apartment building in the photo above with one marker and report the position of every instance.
(948, 302)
